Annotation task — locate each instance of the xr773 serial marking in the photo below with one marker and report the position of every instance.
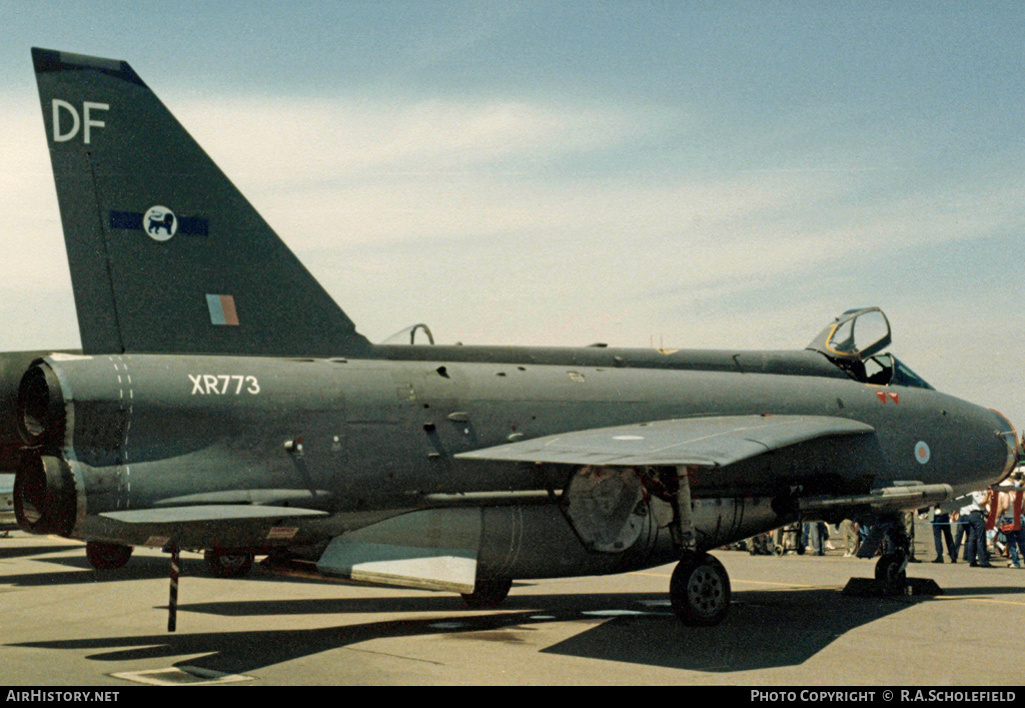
(222, 384)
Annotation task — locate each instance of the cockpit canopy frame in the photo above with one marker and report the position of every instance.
(854, 341)
(855, 335)
(408, 335)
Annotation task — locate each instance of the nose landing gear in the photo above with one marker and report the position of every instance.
(891, 573)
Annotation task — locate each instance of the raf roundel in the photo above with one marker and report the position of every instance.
(160, 223)
(922, 452)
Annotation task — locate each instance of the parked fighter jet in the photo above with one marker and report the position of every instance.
(224, 402)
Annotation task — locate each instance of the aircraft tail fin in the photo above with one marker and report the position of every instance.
(166, 255)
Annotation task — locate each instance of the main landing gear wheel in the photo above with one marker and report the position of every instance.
(891, 572)
(699, 590)
(107, 556)
(488, 593)
(228, 564)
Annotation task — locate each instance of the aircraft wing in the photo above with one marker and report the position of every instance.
(699, 442)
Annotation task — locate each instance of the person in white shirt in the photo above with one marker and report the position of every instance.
(976, 553)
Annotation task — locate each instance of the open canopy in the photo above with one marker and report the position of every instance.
(854, 342)
(855, 335)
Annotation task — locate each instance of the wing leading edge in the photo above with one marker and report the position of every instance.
(699, 442)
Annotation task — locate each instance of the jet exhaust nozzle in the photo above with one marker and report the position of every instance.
(41, 410)
(45, 499)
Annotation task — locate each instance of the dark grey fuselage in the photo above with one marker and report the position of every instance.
(368, 439)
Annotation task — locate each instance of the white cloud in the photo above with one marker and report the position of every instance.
(517, 222)
(285, 141)
(33, 245)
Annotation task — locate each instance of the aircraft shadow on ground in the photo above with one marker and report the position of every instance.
(982, 590)
(763, 630)
(148, 568)
(12, 550)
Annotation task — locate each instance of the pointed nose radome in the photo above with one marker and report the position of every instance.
(1006, 432)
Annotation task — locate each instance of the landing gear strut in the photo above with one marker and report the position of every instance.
(699, 590)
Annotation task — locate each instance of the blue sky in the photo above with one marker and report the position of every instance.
(702, 174)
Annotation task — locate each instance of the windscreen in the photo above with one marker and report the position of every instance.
(904, 376)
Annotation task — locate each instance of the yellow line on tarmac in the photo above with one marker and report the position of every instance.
(980, 599)
(782, 585)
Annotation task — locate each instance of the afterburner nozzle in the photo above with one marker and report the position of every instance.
(45, 499)
(41, 411)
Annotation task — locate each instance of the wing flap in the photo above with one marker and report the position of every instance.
(699, 442)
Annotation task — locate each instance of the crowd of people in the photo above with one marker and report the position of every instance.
(988, 525)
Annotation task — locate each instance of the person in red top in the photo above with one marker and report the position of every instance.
(1009, 513)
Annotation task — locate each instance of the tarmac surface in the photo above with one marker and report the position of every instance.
(64, 624)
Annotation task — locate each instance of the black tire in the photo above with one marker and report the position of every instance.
(699, 591)
(891, 574)
(489, 592)
(107, 556)
(228, 564)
